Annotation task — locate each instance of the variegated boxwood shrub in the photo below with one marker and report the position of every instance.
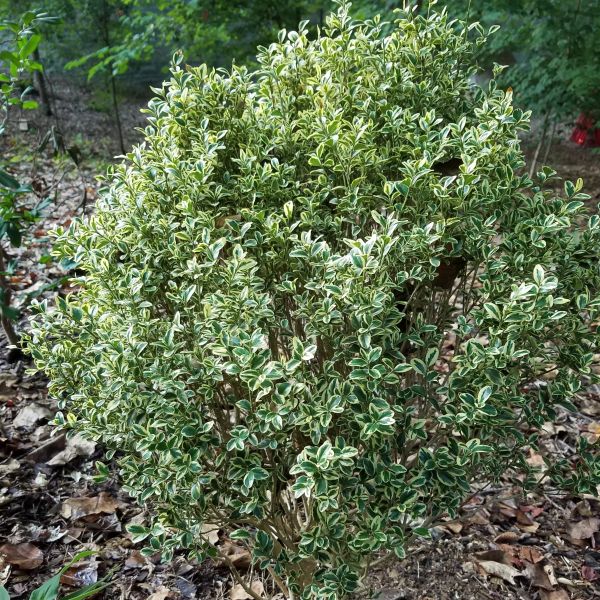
(320, 300)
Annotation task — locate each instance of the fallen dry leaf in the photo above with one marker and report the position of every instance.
(495, 555)
(583, 530)
(531, 510)
(210, 533)
(584, 509)
(591, 432)
(55, 533)
(539, 577)
(115, 549)
(536, 461)
(453, 526)
(76, 446)
(552, 428)
(529, 528)
(41, 433)
(236, 555)
(549, 570)
(80, 575)
(47, 449)
(507, 507)
(239, 593)
(554, 595)
(524, 521)
(186, 589)
(590, 403)
(136, 560)
(507, 537)
(10, 466)
(479, 517)
(77, 508)
(30, 415)
(501, 570)
(513, 555)
(161, 593)
(23, 556)
(529, 554)
(589, 573)
(40, 480)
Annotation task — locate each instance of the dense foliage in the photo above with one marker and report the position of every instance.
(118, 34)
(270, 280)
(17, 211)
(552, 47)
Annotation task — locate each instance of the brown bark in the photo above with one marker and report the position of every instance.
(39, 81)
(7, 323)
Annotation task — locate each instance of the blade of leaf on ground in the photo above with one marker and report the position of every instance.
(47, 591)
(77, 558)
(86, 592)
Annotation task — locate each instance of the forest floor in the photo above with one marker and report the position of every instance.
(503, 545)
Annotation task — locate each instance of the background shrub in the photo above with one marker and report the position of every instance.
(271, 277)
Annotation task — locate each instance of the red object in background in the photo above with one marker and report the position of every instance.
(579, 136)
(585, 133)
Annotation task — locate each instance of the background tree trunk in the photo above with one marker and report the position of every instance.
(39, 81)
(7, 323)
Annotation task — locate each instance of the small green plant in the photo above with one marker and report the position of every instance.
(16, 211)
(270, 280)
(17, 61)
(50, 589)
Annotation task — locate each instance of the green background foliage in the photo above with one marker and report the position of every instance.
(17, 211)
(552, 45)
(552, 48)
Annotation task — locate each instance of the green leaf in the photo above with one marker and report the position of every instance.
(47, 591)
(14, 233)
(188, 431)
(8, 181)
(240, 534)
(30, 45)
(432, 356)
(492, 310)
(364, 339)
(138, 532)
(539, 274)
(482, 449)
(419, 366)
(88, 591)
(10, 312)
(484, 394)
(422, 532)
(10, 57)
(102, 474)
